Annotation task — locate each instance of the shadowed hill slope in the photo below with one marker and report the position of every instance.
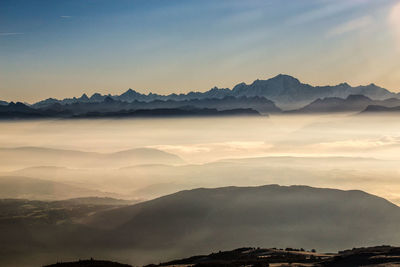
(202, 220)
(269, 215)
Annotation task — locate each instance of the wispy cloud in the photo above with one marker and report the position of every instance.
(65, 17)
(351, 26)
(325, 11)
(10, 33)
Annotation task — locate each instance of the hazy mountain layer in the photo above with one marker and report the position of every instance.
(110, 104)
(382, 109)
(353, 103)
(22, 111)
(38, 156)
(32, 188)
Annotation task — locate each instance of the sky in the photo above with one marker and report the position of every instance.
(63, 48)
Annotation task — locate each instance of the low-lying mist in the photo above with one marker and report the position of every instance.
(143, 159)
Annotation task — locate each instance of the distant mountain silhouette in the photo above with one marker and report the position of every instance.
(263, 96)
(381, 109)
(289, 92)
(110, 108)
(353, 103)
(169, 112)
(284, 90)
(3, 103)
(109, 104)
(19, 110)
(40, 156)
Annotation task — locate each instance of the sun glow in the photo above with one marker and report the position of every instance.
(394, 20)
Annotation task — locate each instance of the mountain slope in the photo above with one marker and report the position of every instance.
(248, 256)
(270, 215)
(203, 220)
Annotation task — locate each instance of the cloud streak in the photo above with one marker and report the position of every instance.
(351, 26)
(326, 11)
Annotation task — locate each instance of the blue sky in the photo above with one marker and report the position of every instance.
(62, 48)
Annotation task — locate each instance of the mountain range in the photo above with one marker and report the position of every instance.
(285, 91)
(271, 96)
(114, 111)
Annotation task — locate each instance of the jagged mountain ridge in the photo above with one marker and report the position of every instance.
(286, 91)
(109, 104)
(58, 111)
(353, 103)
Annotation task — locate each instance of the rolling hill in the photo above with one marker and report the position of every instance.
(270, 215)
(38, 189)
(21, 157)
(202, 220)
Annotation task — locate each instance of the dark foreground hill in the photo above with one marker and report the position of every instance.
(371, 256)
(270, 215)
(255, 257)
(89, 263)
(202, 220)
